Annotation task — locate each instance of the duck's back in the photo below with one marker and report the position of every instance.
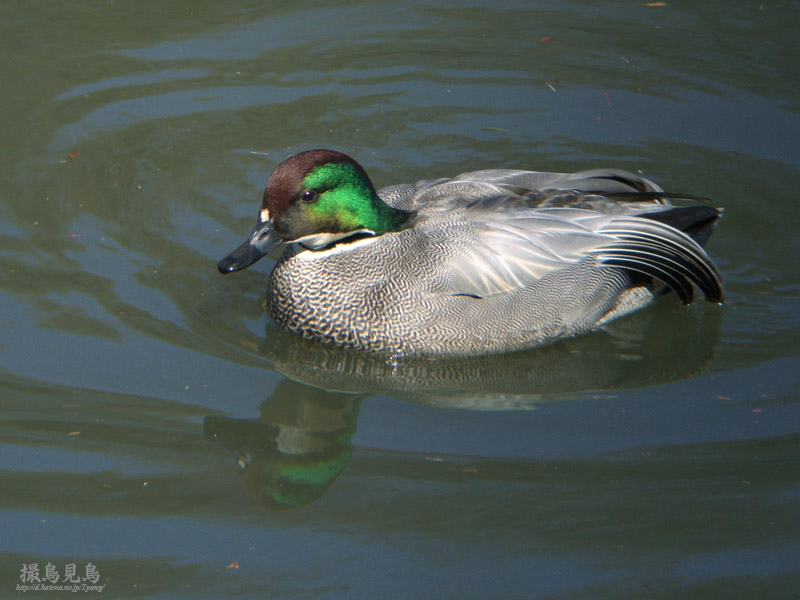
(538, 187)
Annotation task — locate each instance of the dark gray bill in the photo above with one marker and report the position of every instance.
(262, 239)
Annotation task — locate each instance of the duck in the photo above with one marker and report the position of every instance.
(486, 262)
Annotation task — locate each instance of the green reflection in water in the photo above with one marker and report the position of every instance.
(294, 451)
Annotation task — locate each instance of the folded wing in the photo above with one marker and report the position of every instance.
(512, 246)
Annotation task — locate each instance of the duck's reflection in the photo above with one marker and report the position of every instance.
(293, 452)
(300, 443)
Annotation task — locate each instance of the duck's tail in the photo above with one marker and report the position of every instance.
(670, 251)
(698, 222)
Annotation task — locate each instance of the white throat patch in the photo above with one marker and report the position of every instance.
(317, 241)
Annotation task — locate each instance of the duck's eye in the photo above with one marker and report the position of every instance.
(310, 195)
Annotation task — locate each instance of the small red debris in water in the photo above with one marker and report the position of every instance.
(548, 40)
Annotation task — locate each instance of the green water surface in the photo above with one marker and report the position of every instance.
(156, 425)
